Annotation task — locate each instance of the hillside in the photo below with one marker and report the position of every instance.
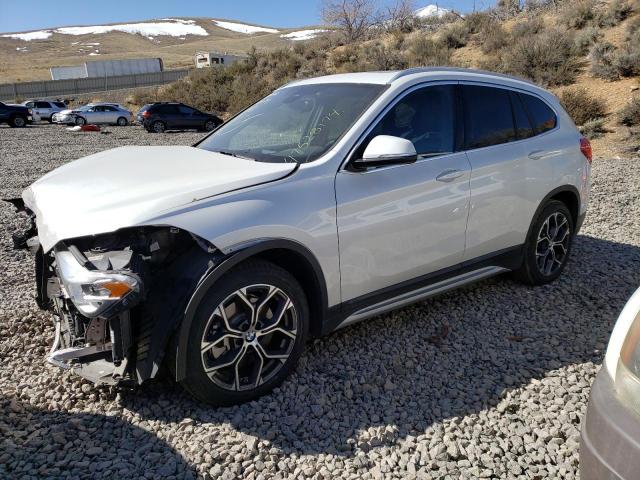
(27, 56)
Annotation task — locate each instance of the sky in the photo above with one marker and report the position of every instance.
(25, 15)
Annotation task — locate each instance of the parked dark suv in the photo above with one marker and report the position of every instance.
(158, 117)
(15, 115)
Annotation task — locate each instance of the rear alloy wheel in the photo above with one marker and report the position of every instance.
(247, 335)
(80, 121)
(548, 246)
(18, 122)
(158, 127)
(122, 122)
(210, 125)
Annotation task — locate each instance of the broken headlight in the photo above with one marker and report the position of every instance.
(94, 292)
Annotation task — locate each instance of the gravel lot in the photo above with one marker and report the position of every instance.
(490, 381)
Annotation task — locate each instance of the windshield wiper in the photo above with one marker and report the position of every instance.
(231, 154)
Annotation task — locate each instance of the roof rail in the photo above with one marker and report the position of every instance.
(411, 71)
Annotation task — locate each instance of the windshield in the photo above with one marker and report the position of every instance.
(294, 124)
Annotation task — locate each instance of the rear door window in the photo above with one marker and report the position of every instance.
(488, 119)
(43, 105)
(59, 104)
(543, 118)
(184, 110)
(168, 109)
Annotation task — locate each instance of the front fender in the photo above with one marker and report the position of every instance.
(223, 267)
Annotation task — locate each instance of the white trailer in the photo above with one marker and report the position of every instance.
(214, 59)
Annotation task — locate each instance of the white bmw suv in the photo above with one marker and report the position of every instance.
(331, 200)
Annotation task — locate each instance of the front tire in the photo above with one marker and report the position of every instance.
(247, 334)
(209, 125)
(80, 121)
(548, 245)
(122, 122)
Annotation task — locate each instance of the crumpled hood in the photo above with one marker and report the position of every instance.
(128, 186)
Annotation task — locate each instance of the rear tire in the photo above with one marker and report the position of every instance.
(253, 314)
(18, 121)
(548, 245)
(158, 127)
(122, 122)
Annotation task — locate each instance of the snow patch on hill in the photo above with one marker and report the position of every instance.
(303, 35)
(28, 36)
(243, 28)
(174, 28)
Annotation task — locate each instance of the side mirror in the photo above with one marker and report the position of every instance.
(387, 150)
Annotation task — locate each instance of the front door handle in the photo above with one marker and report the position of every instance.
(449, 175)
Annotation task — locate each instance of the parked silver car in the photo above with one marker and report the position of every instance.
(610, 446)
(45, 109)
(96, 113)
(332, 200)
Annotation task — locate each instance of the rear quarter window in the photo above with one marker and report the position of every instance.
(542, 117)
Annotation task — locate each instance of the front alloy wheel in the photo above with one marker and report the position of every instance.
(247, 334)
(249, 337)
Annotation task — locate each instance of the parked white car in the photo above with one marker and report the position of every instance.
(95, 113)
(332, 200)
(44, 109)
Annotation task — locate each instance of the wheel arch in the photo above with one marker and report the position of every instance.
(567, 194)
(290, 255)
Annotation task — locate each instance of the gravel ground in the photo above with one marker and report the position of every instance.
(486, 382)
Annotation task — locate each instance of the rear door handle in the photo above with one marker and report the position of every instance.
(449, 175)
(537, 154)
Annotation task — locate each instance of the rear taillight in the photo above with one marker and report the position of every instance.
(585, 148)
(146, 114)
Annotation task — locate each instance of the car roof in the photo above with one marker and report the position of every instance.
(434, 73)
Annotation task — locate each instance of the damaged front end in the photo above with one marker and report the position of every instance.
(116, 298)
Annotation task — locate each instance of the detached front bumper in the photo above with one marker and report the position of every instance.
(610, 446)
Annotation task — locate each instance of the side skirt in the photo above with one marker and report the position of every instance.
(417, 289)
(421, 294)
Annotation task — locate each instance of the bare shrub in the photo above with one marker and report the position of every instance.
(611, 63)
(385, 57)
(425, 51)
(492, 38)
(586, 38)
(400, 17)
(354, 18)
(578, 14)
(456, 35)
(478, 21)
(531, 26)
(548, 58)
(581, 106)
(602, 57)
(616, 12)
(593, 128)
(630, 114)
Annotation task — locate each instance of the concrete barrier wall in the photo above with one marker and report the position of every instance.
(59, 88)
